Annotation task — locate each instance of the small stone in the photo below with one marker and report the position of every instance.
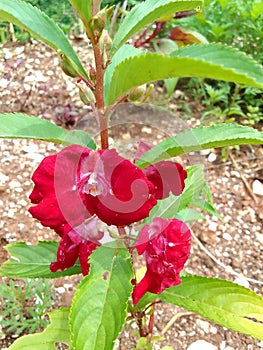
(242, 281)
(227, 236)
(201, 345)
(212, 226)
(205, 152)
(257, 187)
(146, 130)
(205, 326)
(60, 290)
(14, 184)
(212, 157)
(259, 237)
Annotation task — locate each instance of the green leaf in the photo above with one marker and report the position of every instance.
(169, 207)
(99, 306)
(219, 301)
(146, 300)
(18, 125)
(188, 215)
(83, 8)
(213, 61)
(203, 137)
(146, 13)
(126, 51)
(57, 331)
(39, 25)
(33, 261)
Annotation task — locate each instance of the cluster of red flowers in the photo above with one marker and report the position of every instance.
(77, 186)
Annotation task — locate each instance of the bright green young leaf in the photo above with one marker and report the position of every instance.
(126, 51)
(219, 301)
(203, 137)
(83, 9)
(23, 126)
(169, 207)
(33, 261)
(146, 13)
(99, 306)
(213, 61)
(39, 25)
(57, 331)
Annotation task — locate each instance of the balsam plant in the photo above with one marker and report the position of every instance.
(85, 185)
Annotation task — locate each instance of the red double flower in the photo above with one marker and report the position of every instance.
(76, 186)
(166, 247)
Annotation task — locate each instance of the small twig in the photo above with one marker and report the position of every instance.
(218, 262)
(174, 319)
(243, 179)
(26, 99)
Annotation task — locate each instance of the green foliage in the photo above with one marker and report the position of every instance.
(237, 23)
(212, 61)
(146, 13)
(220, 301)
(61, 14)
(33, 261)
(24, 305)
(175, 206)
(201, 138)
(57, 331)
(105, 293)
(18, 125)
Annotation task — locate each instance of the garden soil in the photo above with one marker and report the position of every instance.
(31, 82)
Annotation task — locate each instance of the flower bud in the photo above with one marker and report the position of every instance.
(85, 94)
(136, 93)
(105, 41)
(67, 65)
(99, 21)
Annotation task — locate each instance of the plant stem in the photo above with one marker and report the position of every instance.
(102, 116)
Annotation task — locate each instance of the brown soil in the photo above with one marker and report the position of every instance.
(31, 82)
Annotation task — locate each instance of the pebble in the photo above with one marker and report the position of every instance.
(205, 326)
(212, 157)
(259, 237)
(60, 290)
(227, 236)
(257, 187)
(242, 281)
(212, 226)
(201, 345)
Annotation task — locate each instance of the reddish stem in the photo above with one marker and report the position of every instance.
(103, 118)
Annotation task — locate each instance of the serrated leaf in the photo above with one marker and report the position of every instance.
(146, 13)
(126, 51)
(18, 125)
(99, 306)
(203, 137)
(188, 215)
(83, 8)
(213, 61)
(33, 261)
(169, 207)
(57, 331)
(39, 25)
(219, 301)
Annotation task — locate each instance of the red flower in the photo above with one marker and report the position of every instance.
(55, 192)
(165, 175)
(166, 246)
(77, 242)
(77, 182)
